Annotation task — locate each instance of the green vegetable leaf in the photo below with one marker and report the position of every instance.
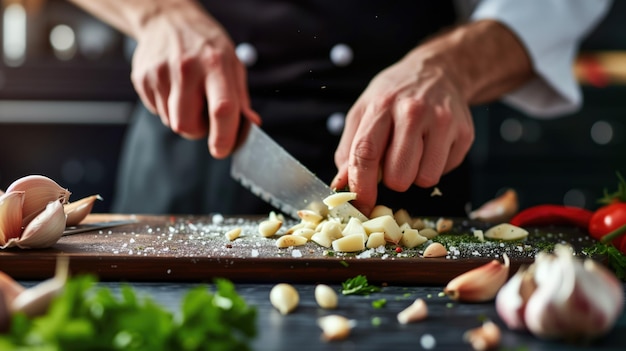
(618, 195)
(88, 317)
(358, 286)
(615, 259)
(380, 303)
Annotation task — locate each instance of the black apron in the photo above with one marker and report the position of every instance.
(295, 87)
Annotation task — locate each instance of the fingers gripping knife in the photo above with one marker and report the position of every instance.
(271, 173)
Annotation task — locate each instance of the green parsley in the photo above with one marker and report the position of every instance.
(380, 303)
(358, 286)
(615, 259)
(87, 317)
(376, 321)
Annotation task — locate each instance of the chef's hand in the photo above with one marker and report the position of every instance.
(409, 128)
(184, 65)
(412, 124)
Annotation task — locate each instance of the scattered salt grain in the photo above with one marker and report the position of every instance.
(254, 253)
(428, 342)
(296, 253)
(217, 218)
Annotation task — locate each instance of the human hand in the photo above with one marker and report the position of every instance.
(185, 62)
(410, 126)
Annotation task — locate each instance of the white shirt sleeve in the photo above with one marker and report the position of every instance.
(551, 31)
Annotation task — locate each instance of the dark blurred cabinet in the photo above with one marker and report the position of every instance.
(65, 97)
(570, 159)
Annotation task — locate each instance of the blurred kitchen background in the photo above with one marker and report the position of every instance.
(66, 97)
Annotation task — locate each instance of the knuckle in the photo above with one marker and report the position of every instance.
(223, 108)
(365, 152)
(411, 106)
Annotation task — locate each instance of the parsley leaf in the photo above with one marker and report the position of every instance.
(358, 286)
(380, 303)
(85, 317)
(615, 259)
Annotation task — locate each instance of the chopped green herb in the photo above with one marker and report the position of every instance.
(358, 286)
(615, 259)
(85, 317)
(449, 305)
(380, 303)
(441, 294)
(376, 321)
(344, 263)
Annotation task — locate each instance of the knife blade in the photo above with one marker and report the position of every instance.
(87, 227)
(270, 172)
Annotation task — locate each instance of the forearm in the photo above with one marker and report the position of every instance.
(484, 58)
(132, 16)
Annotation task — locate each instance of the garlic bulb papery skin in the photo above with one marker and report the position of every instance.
(10, 216)
(574, 299)
(44, 230)
(39, 191)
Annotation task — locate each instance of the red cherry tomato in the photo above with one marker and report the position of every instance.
(607, 219)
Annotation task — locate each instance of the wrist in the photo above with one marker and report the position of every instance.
(483, 59)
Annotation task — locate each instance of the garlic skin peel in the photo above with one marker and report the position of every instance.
(562, 297)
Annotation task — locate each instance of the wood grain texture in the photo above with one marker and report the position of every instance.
(194, 248)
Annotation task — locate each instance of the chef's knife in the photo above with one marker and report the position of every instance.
(271, 173)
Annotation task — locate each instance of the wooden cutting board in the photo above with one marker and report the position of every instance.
(194, 248)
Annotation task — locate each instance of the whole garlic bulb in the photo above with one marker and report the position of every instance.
(562, 297)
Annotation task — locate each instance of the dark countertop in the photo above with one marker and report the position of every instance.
(446, 323)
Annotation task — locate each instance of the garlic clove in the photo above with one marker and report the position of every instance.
(44, 230)
(417, 311)
(310, 216)
(36, 300)
(325, 296)
(444, 225)
(498, 210)
(506, 231)
(554, 286)
(338, 199)
(485, 337)
(11, 216)
(435, 250)
(269, 227)
(512, 298)
(479, 284)
(9, 288)
(284, 297)
(77, 211)
(334, 327)
(39, 191)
